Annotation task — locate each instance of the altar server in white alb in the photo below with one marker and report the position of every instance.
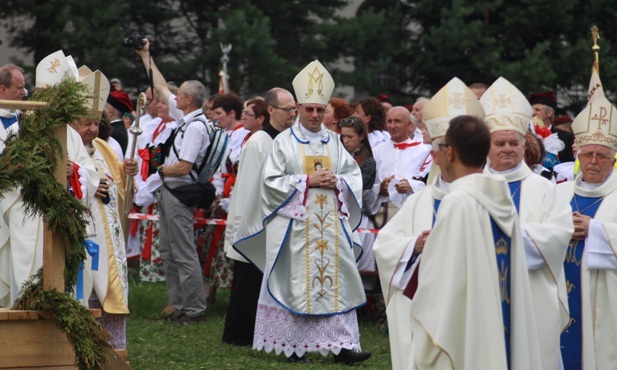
(590, 341)
(399, 244)
(545, 219)
(472, 306)
(21, 237)
(311, 205)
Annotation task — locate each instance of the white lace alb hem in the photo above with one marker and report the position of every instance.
(279, 330)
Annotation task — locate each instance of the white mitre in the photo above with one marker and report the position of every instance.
(313, 84)
(53, 68)
(98, 89)
(596, 124)
(506, 108)
(453, 100)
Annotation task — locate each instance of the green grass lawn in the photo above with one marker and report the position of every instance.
(154, 344)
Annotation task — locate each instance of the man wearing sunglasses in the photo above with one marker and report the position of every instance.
(311, 282)
(590, 266)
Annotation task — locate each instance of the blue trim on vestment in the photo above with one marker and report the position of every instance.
(503, 264)
(515, 193)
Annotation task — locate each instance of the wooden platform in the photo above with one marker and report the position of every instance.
(29, 340)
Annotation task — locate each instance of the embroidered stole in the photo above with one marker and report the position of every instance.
(502, 252)
(572, 337)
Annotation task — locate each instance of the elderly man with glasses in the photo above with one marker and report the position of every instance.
(590, 339)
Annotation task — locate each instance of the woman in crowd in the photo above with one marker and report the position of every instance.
(372, 113)
(337, 108)
(354, 136)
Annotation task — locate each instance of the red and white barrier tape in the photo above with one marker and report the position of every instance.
(219, 221)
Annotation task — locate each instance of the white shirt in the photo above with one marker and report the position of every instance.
(191, 141)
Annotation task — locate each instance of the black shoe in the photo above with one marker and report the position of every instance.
(186, 320)
(347, 356)
(171, 316)
(297, 359)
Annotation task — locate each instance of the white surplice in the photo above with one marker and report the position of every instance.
(244, 206)
(411, 163)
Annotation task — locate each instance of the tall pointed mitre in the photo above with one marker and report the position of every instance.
(53, 68)
(454, 99)
(596, 124)
(506, 108)
(98, 89)
(313, 84)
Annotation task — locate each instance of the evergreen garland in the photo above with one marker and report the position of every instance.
(29, 160)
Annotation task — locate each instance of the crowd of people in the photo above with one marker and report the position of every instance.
(489, 220)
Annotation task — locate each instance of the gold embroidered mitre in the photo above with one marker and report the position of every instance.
(53, 68)
(98, 89)
(597, 124)
(313, 84)
(506, 108)
(454, 99)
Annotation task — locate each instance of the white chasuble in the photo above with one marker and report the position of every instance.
(393, 240)
(318, 234)
(457, 318)
(597, 284)
(546, 220)
(110, 280)
(311, 282)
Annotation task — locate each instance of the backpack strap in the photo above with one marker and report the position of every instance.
(197, 118)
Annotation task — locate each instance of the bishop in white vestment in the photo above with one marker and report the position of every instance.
(311, 203)
(544, 217)
(590, 340)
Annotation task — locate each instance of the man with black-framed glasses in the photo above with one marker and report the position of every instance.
(282, 109)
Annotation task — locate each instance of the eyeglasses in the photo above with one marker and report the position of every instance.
(246, 113)
(599, 157)
(309, 110)
(441, 145)
(287, 110)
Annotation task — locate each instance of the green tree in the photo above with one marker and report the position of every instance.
(536, 44)
(87, 29)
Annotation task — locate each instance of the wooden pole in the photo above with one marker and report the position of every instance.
(54, 259)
